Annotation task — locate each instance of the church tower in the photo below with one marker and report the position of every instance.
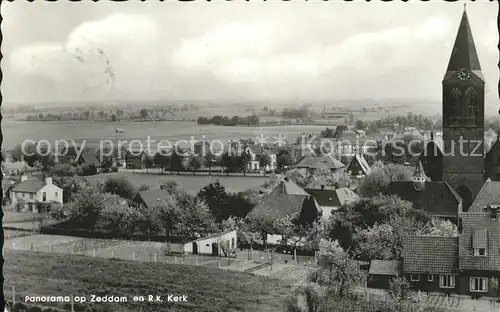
(463, 117)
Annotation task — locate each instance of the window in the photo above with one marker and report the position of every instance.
(430, 278)
(447, 281)
(480, 252)
(479, 284)
(44, 196)
(232, 243)
(414, 277)
(31, 196)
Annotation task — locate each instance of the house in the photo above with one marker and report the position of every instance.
(135, 159)
(220, 244)
(382, 272)
(28, 192)
(478, 253)
(89, 158)
(149, 199)
(253, 151)
(328, 200)
(358, 167)
(286, 199)
(431, 263)
(489, 195)
(313, 162)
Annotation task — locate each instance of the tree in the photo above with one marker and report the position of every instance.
(439, 227)
(366, 213)
(337, 268)
(148, 162)
(170, 213)
(176, 162)
(119, 217)
(119, 186)
(216, 198)
(194, 163)
(195, 221)
(264, 160)
(285, 227)
(284, 160)
(381, 176)
(360, 124)
(87, 205)
(209, 159)
(399, 289)
(144, 113)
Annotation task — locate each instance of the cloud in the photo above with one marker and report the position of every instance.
(251, 53)
(93, 52)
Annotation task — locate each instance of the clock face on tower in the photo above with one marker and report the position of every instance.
(463, 74)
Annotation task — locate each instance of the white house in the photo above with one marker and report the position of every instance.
(28, 192)
(213, 245)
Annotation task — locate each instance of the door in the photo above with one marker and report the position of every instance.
(215, 249)
(195, 248)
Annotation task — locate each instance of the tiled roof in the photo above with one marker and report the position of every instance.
(488, 195)
(329, 199)
(437, 198)
(386, 267)
(430, 254)
(29, 186)
(315, 161)
(287, 198)
(479, 229)
(151, 198)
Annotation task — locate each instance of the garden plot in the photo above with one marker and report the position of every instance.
(293, 274)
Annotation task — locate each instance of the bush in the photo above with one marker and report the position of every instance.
(114, 169)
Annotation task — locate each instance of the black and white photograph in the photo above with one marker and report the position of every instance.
(250, 156)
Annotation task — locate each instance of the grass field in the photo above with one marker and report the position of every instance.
(191, 184)
(15, 132)
(207, 289)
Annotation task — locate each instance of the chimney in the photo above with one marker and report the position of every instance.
(24, 178)
(48, 180)
(322, 186)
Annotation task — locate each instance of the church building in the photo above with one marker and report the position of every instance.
(459, 159)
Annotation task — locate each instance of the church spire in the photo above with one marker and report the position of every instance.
(464, 54)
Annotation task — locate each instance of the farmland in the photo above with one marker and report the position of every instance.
(191, 184)
(207, 289)
(15, 132)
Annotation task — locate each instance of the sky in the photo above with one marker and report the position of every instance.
(270, 51)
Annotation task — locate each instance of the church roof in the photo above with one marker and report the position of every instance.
(464, 54)
(437, 198)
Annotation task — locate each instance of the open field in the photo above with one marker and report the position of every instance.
(192, 184)
(206, 289)
(15, 132)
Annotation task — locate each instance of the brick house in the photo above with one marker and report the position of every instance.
(468, 264)
(479, 253)
(431, 263)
